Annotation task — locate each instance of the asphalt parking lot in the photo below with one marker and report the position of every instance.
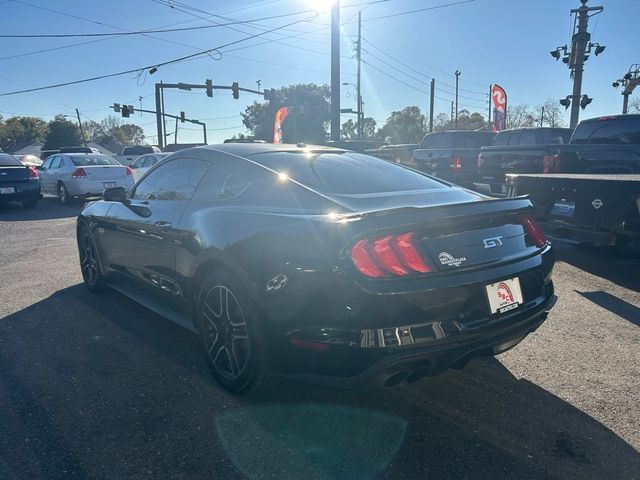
(97, 386)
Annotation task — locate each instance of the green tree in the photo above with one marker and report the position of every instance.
(20, 131)
(349, 130)
(308, 114)
(61, 133)
(404, 126)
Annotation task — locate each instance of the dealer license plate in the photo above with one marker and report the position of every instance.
(109, 184)
(563, 208)
(7, 189)
(504, 296)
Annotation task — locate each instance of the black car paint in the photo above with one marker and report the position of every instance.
(288, 245)
(14, 174)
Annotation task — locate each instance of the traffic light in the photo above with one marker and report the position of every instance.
(182, 118)
(584, 101)
(268, 94)
(209, 87)
(235, 90)
(116, 107)
(566, 102)
(131, 110)
(125, 111)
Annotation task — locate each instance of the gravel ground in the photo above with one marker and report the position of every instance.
(95, 386)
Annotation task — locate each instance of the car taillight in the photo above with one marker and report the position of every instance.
(534, 231)
(129, 171)
(551, 164)
(33, 174)
(389, 255)
(456, 164)
(79, 173)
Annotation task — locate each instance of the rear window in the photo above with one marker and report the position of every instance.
(621, 131)
(137, 150)
(436, 141)
(89, 160)
(8, 161)
(473, 139)
(345, 173)
(555, 136)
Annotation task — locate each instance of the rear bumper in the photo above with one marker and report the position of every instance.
(438, 358)
(23, 193)
(83, 187)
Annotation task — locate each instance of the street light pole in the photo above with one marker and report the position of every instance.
(359, 96)
(458, 72)
(335, 71)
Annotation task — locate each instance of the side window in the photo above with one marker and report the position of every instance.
(434, 141)
(138, 163)
(47, 163)
(501, 139)
(528, 137)
(56, 162)
(175, 180)
(150, 161)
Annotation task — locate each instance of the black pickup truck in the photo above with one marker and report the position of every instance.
(598, 209)
(520, 150)
(451, 155)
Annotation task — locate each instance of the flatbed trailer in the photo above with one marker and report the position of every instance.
(598, 209)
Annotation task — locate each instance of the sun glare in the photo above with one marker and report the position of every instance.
(321, 5)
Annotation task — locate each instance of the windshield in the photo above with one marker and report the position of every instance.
(8, 161)
(345, 173)
(89, 160)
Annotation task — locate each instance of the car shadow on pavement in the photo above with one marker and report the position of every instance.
(97, 386)
(619, 267)
(615, 305)
(47, 209)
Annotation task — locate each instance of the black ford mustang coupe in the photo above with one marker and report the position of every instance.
(320, 264)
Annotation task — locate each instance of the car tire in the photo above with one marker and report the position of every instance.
(30, 203)
(63, 194)
(232, 334)
(90, 261)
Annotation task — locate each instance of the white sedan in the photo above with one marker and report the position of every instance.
(69, 175)
(144, 162)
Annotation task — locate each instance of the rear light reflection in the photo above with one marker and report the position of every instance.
(534, 231)
(551, 164)
(129, 171)
(33, 174)
(389, 255)
(456, 164)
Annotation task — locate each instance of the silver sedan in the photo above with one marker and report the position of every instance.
(81, 175)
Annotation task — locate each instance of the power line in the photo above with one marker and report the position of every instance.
(142, 32)
(156, 65)
(435, 7)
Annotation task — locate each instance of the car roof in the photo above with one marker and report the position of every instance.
(83, 154)
(247, 149)
(628, 116)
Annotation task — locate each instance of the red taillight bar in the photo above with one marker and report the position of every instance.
(456, 164)
(389, 255)
(129, 172)
(79, 173)
(534, 230)
(33, 174)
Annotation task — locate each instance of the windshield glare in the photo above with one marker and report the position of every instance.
(90, 160)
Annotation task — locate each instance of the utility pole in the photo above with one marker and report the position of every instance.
(490, 100)
(159, 122)
(451, 122)
(84, 140)
(629, 81)
(140, 98)
(175, 133)
(164, 119)
(359, 95)
(458, 72)
(542, 117)
(335, 71)
(432, 96)
(575, 58)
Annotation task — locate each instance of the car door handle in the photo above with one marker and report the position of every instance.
(163, 224)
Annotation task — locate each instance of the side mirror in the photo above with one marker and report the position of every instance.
(115, 194)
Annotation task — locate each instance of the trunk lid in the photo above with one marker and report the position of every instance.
(105, 172)
(11, 175)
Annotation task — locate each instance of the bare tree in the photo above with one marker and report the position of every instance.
(520, 116)
(634, 105)
(550, 114)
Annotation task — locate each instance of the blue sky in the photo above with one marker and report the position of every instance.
(490, 41)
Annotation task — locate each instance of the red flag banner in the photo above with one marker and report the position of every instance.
(281, 114)
(499, 99)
